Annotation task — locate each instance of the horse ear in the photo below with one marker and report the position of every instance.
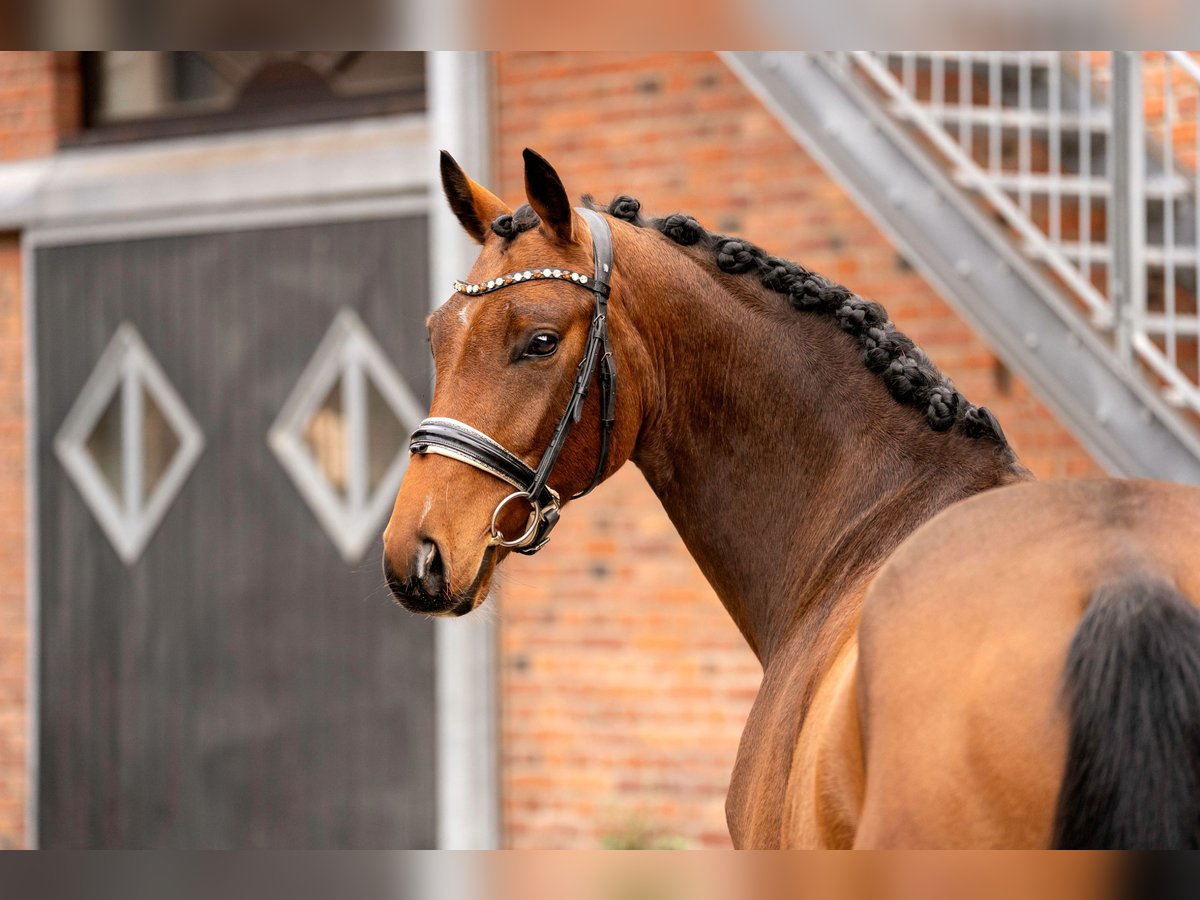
(475, 206)
(547, 196)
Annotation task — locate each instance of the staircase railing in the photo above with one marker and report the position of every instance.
(1167, 320)
(1090, 160)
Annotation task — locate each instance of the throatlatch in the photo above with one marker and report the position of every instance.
(457, 440)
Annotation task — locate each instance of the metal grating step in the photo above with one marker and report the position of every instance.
(1156, 187)
(1098, 121)
(1101, 254)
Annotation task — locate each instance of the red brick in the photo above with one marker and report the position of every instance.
(39, 99)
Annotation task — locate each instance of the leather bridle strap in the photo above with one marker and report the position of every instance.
(457, 440)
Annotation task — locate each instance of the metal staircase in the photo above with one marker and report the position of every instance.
(1052, 197)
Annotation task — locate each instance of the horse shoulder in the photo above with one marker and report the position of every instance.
(826, 779)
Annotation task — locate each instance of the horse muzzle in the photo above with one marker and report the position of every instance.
(424, 587)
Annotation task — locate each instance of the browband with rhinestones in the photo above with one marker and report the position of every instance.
(494, 284)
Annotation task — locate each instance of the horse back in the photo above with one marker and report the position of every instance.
(963, 644)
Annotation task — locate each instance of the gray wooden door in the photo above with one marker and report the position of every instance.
(239, 683)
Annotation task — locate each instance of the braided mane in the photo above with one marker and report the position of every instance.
(910, 376)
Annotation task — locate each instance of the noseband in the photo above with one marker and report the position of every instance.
(457, 440)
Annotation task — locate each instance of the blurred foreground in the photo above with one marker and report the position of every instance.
(402, 24)
(599, 876)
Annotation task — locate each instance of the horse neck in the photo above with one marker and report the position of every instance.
(786, 466)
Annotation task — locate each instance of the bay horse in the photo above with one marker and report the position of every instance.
(954, 655)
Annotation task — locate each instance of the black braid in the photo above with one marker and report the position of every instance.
(505, 227)
(627, 208)
(910, 376)
(736, 256)
(523, 218)
(942, 410)
(681, 229)
(978, 421)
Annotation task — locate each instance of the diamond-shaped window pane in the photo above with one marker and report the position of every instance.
(104, 445)
(325, 438)
(128, 443)
(343, 433)
(387, 435)
(160, 443)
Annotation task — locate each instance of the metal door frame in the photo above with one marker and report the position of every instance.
(56, 209)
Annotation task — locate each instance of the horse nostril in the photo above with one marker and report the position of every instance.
(430, 571)
(389, 575)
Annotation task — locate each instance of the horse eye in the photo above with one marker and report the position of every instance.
(542, 344)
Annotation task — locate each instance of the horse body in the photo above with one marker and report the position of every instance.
(916, 602)
(963, 658)
(939, 721)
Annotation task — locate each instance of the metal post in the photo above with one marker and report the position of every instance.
(994, 129)
(1024, 132)
(966, 130)
(467, 656)
(1127, 214)
(1085, 165)
(1168, 236)
(1054, 182)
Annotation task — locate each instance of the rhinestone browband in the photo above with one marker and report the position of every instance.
(464, 287)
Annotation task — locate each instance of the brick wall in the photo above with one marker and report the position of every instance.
(39, 98)
(625, 685)
(39, 102)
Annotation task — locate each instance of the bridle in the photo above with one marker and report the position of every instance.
(457, 440)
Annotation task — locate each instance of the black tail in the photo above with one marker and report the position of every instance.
(1132, 779)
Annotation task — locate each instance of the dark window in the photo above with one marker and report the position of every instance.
(133, 94)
